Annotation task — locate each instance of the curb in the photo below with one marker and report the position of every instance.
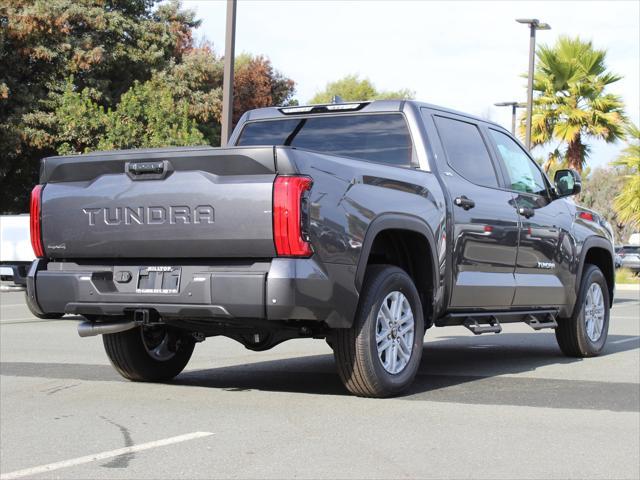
(628, 287)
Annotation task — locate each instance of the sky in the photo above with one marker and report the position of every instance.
(465, 55)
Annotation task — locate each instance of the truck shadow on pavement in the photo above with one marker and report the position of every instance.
(491, 370)
(458, 369)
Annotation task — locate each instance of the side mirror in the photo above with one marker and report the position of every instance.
(567, 182)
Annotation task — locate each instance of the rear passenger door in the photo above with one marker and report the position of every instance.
(485, 223)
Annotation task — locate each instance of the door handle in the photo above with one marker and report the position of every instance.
(526, 212)
(464, 202)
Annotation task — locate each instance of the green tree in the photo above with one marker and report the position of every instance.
(352, 88)
(81, 75)
(104, 45)
(149, 115)
(180, 105)
(627, 202)
(599, 187)
(572, 104)
(257, 84)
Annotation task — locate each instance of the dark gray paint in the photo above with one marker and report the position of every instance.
(483, 261)
(298, 289)
(351, 201)
(214, 203)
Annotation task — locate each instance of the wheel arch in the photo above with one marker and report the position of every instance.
(598, 251)
(410, 237)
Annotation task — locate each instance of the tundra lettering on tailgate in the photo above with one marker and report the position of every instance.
(150, 215)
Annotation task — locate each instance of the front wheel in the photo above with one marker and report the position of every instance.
(149, 354)
(584, 334)
(380, 354)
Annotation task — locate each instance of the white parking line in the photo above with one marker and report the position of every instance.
(27, 472)
(20, 321)
(625, 340)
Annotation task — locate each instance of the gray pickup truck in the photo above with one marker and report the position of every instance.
(364, 224)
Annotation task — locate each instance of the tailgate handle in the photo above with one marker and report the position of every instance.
(148, 170)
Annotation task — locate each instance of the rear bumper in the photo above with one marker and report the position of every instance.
(278, 289)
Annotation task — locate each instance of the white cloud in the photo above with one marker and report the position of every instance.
(461, 54)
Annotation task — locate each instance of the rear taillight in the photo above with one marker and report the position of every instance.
(288, 234)
(586, 216)
(35, 225)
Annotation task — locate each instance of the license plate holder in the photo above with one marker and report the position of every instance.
(159, 280)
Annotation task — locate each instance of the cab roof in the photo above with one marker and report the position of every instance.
(373, 106)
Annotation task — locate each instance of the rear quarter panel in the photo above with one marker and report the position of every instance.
(349, 194)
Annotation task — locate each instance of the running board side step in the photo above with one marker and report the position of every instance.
(491, 322)
(493, 326)
(535, 323)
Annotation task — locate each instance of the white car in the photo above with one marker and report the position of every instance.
(630, 255)
(16, 253)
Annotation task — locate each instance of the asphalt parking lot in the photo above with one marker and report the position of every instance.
(493, 406)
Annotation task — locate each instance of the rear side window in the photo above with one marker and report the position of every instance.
(466, 152)
(380, 138)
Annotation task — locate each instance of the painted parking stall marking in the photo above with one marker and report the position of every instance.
(28, 472)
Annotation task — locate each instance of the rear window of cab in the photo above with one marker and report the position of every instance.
(380, 138)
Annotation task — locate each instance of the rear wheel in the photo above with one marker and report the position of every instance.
(380, 355)
(584, 334)
(149, 354)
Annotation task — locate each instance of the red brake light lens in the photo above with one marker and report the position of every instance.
(287, 216)
(586, 216)
(34, 221)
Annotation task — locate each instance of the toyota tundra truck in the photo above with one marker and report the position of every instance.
(364, 224)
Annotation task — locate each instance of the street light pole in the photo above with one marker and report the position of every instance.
(514, 106)
(534, 24)
(227, 80)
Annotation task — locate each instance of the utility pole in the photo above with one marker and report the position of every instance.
(534, 24)
(514, 106)
(227, 81)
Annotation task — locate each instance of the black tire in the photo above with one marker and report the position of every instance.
(355, 349)
(130, 356)
(37, 314)
(571, 333)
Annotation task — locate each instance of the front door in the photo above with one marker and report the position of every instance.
(544, 254)
(485, 225)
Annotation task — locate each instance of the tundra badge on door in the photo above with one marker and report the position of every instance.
(546, 265)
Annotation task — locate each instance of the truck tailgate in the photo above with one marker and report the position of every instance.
(169, 203)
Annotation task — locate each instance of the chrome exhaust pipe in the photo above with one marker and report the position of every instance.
(91, 329)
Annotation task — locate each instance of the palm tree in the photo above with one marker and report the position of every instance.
(572, 105)
(627, 203)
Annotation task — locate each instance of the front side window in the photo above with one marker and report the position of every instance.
(381, 138)
(524, 175)
(466, 151)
